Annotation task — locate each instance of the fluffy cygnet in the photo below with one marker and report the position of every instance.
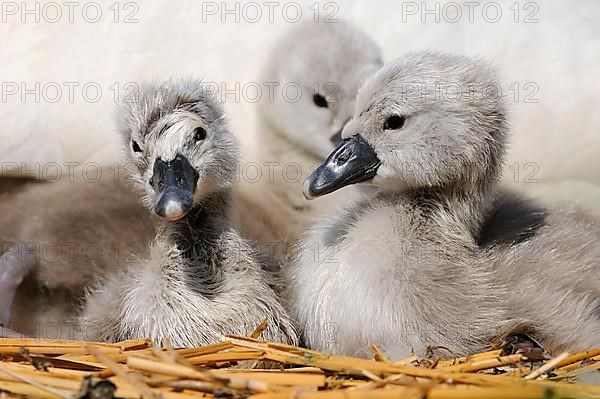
(402, 270)
(440, 256)
(325, 63)
(201, 279)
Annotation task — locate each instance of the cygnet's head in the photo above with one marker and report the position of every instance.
(426, 120)
(318, 69)
(178, 146)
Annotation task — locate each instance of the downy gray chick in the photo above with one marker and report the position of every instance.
(325, 63)
(402, 270)
(201, 279)
(438, 256)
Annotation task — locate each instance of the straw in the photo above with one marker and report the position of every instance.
(220, 369)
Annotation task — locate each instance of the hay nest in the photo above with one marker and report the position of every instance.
(133, 369)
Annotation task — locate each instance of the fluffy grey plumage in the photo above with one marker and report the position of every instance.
(327, 59)
(403, 270)
(409, 268)
(550, 267)
(201, 280)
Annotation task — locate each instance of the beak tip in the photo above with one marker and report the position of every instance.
(174, 210)
(307, 196)
(173, 206)
(172, 218)
(307, 191)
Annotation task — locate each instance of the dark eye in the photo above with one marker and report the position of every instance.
(199, 134)
(135, 146)
(320, 101)
(394, 122)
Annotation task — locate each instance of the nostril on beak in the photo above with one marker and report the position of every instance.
(343, 157)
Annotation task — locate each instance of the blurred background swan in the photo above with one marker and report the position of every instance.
(62, 74)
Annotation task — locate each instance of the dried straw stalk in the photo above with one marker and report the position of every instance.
(71, 369)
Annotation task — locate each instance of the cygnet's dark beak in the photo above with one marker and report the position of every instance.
(174, 183)
(353, 161)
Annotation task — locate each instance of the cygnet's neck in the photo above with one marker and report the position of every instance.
(466, 205)
(195, 236)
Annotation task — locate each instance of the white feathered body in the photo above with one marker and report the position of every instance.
(380, 273)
